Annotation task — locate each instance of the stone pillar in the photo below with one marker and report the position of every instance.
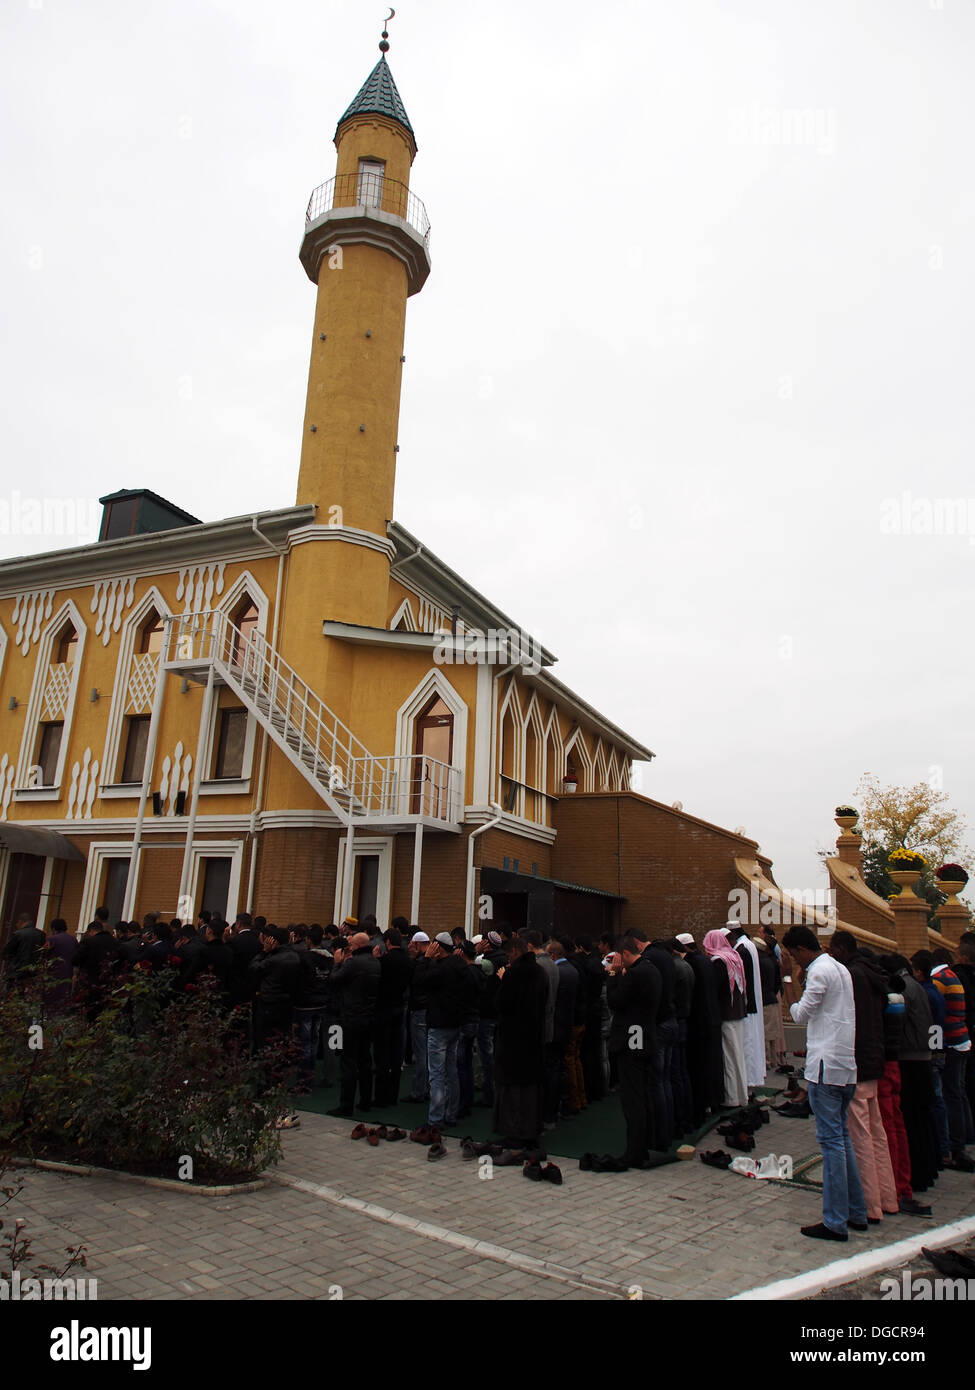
(953, 919)
(910, 923)
(848, 849)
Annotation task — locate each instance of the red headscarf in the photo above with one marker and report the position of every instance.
(716, 943)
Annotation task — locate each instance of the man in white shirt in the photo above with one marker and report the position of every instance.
(827, 1010)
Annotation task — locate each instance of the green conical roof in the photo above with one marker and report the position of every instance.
(378, 96)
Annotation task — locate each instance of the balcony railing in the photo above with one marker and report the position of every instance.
(370, 190)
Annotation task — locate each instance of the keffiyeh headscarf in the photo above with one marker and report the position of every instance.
(716, 943)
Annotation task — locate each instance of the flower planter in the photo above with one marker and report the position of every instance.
(905, 879)
(952, 887)
(569, 787)
(846, 822)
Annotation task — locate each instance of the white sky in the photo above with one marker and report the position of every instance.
(701, 304)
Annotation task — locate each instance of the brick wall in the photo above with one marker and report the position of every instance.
(675, 871)
(295, 879)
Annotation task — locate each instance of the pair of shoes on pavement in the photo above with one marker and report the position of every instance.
(373, 1136)
(822, 1232)
(718, 1158)
(437, 1150)
(795, 1110)
(534, 1170)
(425, 1135)
(471, 1148)
(740, 1140)
(909, 1206)
(510, 1158)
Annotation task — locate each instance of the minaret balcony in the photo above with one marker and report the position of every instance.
(368, 209)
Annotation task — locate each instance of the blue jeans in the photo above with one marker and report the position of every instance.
(442, 1065)
(420, 1088)
(843, 1198)
(309, 1030)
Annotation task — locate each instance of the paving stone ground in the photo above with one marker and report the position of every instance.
(344, 1219)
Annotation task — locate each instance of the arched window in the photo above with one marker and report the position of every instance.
(433, 749)
(66, 646)
(151, 635)
(245, 618)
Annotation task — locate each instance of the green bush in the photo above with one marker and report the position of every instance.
(157, 1078)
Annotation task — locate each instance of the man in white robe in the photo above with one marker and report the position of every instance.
(754, 1022)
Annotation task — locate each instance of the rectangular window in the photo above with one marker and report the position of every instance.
(230, 743)
(137, 740)
(47, 756)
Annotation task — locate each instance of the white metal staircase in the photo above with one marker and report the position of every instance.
(356, 786)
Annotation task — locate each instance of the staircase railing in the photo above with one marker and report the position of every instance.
(349, 778)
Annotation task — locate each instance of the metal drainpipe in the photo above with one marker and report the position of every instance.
(493, 804)
(488, 824)
(253, 832)
(401, 564)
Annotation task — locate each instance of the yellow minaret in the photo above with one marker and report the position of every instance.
(366, 249)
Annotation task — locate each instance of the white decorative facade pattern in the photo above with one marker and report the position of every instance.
(30, 612)
(84, 784)
(6, 784)
(431, 618)
(57, 690)
(141, 687)
(198, 585)
(109, 600)
(175, 778)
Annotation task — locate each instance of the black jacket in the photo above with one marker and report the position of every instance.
(684, 975)
(418, 983)
(245, 946)
(314, 982)
(492, 983)
(705, 1018)
(731, 1006)
(519, 1047)
(451, 992)
(218, 961)
(768, 970)
(667, 971)
(634, 998)
(916, 1039)
(357, 983)
(870, 989)
(23, 951)
(96, 948)
(279, 975)
(395, 973)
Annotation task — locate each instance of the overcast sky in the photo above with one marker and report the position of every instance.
(689, 377)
